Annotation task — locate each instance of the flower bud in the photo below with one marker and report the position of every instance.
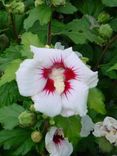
(15, 7)
(58, 2)
(103, 17)
(27, 119)
(36, 136)
(32, 108)
(52, 122)
(38, 2)
(105, 30)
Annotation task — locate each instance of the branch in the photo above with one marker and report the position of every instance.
(105, 50)
(14, 28)
(49, 34)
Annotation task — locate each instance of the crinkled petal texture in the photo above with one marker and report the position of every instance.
(47, 104)
(75, 101)
(53, 94)
(64, 148)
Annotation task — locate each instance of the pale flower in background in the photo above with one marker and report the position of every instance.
(56, 144)
(57, 81)
(108, 129)
(87, 126)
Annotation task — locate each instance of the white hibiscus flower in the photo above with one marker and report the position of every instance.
(56, 144)
(57, 80)
(108, 129)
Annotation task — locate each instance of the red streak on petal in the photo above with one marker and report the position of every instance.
(57, 138)
(67, 87)
(69, 74)
(46, 72)
(49, 87)
(58, 64)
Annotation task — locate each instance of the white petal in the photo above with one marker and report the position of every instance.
(87, 126)
(84, 73)
(29, 78)
(99, 129)
(75, 100)
(110, 123)
(48, 55)
(49, 104)
(58, 45)
(65, 148)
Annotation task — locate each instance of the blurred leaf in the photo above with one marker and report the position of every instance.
(9, 116)
(17, 139)
(9, 73)
(113, 24)
(11, 53)
(42, 13)
(90, 7)
(68, 8)
(71, 126)
(104, 145)
(110, 3)
(28, 39)
(96, 101)
(79, 31)
(114, 67)
(9, 94)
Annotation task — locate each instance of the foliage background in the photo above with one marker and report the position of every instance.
(75, 23)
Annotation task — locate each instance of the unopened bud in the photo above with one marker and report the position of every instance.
(52, 122)
(27, 119)
(36, 136)
(38, 2)
(105, 30)
(58, 2)
(32, 108)
(103, 17)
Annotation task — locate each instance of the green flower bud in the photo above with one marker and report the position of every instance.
(58, 2)
(52, 122)
(36, 136)
(85, 59)
(27, 119)
(15, 7)
(105, 30)
(32, 108)
(18, 7)
(103, 17)
(38, 2)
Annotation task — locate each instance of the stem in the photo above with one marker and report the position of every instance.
(105, 50)
(49, 34)
(14, 28)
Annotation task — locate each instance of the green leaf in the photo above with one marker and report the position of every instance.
(71, 127)
(68, 8)
(18, 139)
(7, 96)
(41, 13)
(11, 53)
(96, 101)
(9, 73)
(90, 7)
(113, 24)
(110, 3)
(79, 31)
(114, 67)
(28, 39)
(9, 115)
(104, 145)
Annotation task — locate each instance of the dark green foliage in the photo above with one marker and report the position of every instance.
(90, 27)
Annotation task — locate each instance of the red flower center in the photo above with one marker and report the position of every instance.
(57, 138)
(68, 74)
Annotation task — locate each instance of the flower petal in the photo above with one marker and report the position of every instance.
(49, 104)
(75, 100)
(99, 129)
(29, 78)
(49, 55)
(84, 73)
(62, 149)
